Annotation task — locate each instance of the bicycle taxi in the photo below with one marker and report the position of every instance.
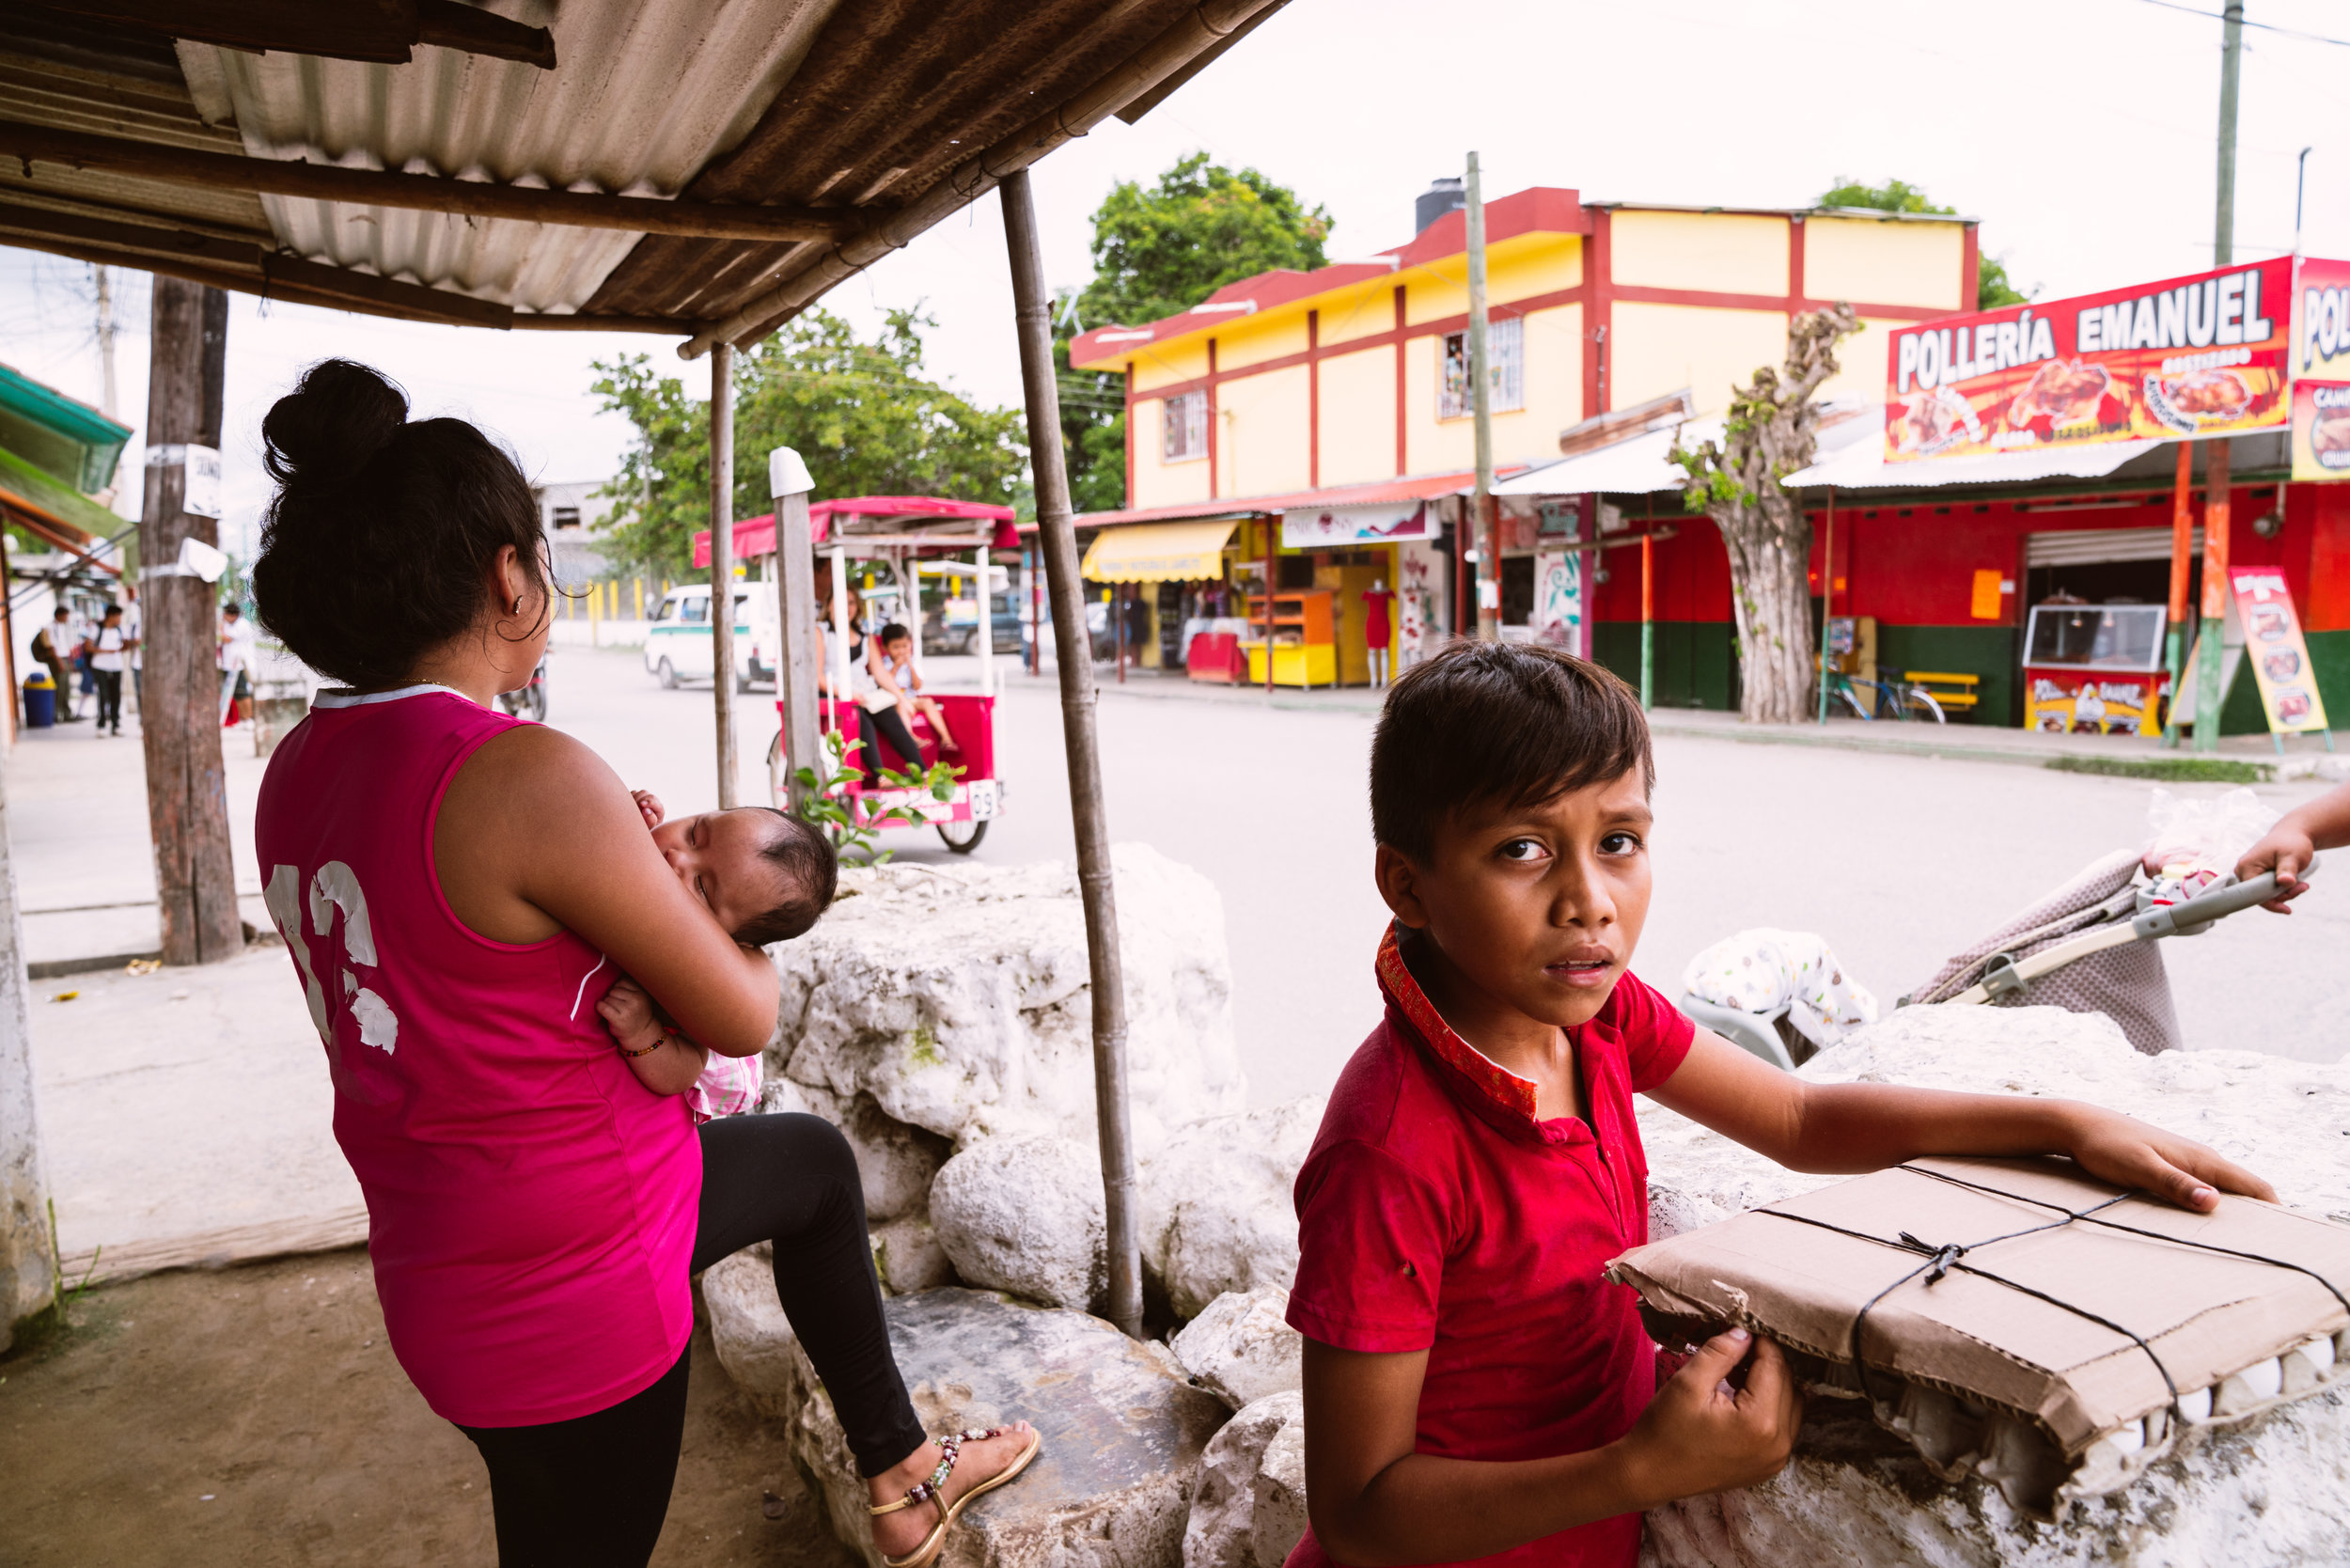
(901, 534)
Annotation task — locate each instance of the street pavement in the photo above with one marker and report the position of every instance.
(186, 1112)
(1898, 860)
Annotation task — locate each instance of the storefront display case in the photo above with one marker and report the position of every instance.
(2095, 668)
(1298, 635)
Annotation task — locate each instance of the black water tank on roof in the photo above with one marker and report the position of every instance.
(1442, 196)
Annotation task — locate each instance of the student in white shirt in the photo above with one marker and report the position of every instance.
(109, 648)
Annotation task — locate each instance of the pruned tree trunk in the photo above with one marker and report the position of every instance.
(1772, 431)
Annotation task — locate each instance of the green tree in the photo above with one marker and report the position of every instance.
(1158, 251)
(863, 413)
(1992, 288)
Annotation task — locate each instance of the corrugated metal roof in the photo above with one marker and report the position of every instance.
(645, 97)
(894, 112)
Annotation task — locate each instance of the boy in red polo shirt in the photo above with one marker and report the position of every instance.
(1475, 1392)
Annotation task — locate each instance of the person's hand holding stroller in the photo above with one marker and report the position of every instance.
(2289, 848)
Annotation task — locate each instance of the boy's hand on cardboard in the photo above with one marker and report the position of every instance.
(2129, 1153)
(1700, 1433)
(647, 807)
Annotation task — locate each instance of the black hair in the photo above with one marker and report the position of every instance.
(110, 609)
(894, 633)
(810, 870)
(376, 547)
(1493, 721)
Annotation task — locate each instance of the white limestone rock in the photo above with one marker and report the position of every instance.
(1280, 1488)
(959, 998)
(2272, 1491)
(1241, 1349)
(1025, 1214)
(894, 1161)
(754, 1339)
(1250, 1507)
(908, 1258)
(1217, 1211)
(1122, 1429)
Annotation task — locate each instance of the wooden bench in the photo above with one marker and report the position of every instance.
(1951, 691)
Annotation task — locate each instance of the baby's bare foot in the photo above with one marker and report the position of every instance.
(899, 1535)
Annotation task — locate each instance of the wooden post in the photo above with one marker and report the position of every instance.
(1481, 407)
(1270, 523)
(7, 635)
(28, 1267)
(1058, 539)
(2182, 568)
(2208, 695)
(722, 562)
(187, 802)
(795, 619)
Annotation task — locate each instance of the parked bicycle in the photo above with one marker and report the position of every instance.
(1890, 698)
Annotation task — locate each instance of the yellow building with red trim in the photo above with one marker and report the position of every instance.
(1345, 390)
(1292, 381)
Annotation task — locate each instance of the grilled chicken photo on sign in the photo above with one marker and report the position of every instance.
(2064, 392)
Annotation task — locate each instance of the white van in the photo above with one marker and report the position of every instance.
(676, 644)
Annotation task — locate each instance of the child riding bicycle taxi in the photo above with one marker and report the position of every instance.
(1474, 1390)
(897, 647)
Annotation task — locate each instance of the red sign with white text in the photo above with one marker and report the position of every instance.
(2186, 357)
(2321, 370)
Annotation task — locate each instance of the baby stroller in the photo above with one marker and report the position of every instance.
(2086, 946)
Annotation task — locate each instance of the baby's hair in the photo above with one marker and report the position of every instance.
(895, 633)
(1495, 721)
(810, 870)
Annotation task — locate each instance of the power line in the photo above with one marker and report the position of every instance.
(2248, 22)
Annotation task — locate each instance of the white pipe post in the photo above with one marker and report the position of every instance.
(910, 576)
(987, 624)
(795, 618)
(841, 631)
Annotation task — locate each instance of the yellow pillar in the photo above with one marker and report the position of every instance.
(637, 597)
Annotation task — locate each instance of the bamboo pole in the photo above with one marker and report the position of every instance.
(1058, 539)
(722, 564)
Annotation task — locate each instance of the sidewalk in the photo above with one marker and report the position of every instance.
(185, 1113)
(2249, 759)
(84, 858)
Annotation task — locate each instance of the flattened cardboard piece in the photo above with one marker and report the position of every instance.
(1979, 1332)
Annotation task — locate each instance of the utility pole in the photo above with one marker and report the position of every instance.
(106, 341)
(722, 561)
(2208, 695)
(1480, 405)
(187, 802)
(1056, 539)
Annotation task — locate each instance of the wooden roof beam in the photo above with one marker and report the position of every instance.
(247, 268)
(1194, 33)
(381, 32)
(30, 143)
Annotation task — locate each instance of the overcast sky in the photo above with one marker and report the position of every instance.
(2081, 134)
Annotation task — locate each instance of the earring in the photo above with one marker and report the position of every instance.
(518, 603)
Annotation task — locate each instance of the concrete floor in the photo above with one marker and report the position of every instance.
(205, 1115)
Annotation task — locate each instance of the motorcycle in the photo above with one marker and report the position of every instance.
(531, 701)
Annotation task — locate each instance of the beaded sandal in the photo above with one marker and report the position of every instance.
(933, 1492)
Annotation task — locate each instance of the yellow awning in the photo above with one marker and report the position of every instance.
(1159, 552)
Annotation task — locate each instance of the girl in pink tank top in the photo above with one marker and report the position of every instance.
(456, 891)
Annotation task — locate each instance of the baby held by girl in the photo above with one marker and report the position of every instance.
(766, 876)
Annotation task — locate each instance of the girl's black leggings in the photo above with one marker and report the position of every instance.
(592, 1492)
(891, 726)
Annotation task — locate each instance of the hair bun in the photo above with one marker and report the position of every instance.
(331, 425)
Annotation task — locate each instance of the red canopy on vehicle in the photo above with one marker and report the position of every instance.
(876, 519)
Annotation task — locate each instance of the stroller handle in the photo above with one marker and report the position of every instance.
(2202, 909)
